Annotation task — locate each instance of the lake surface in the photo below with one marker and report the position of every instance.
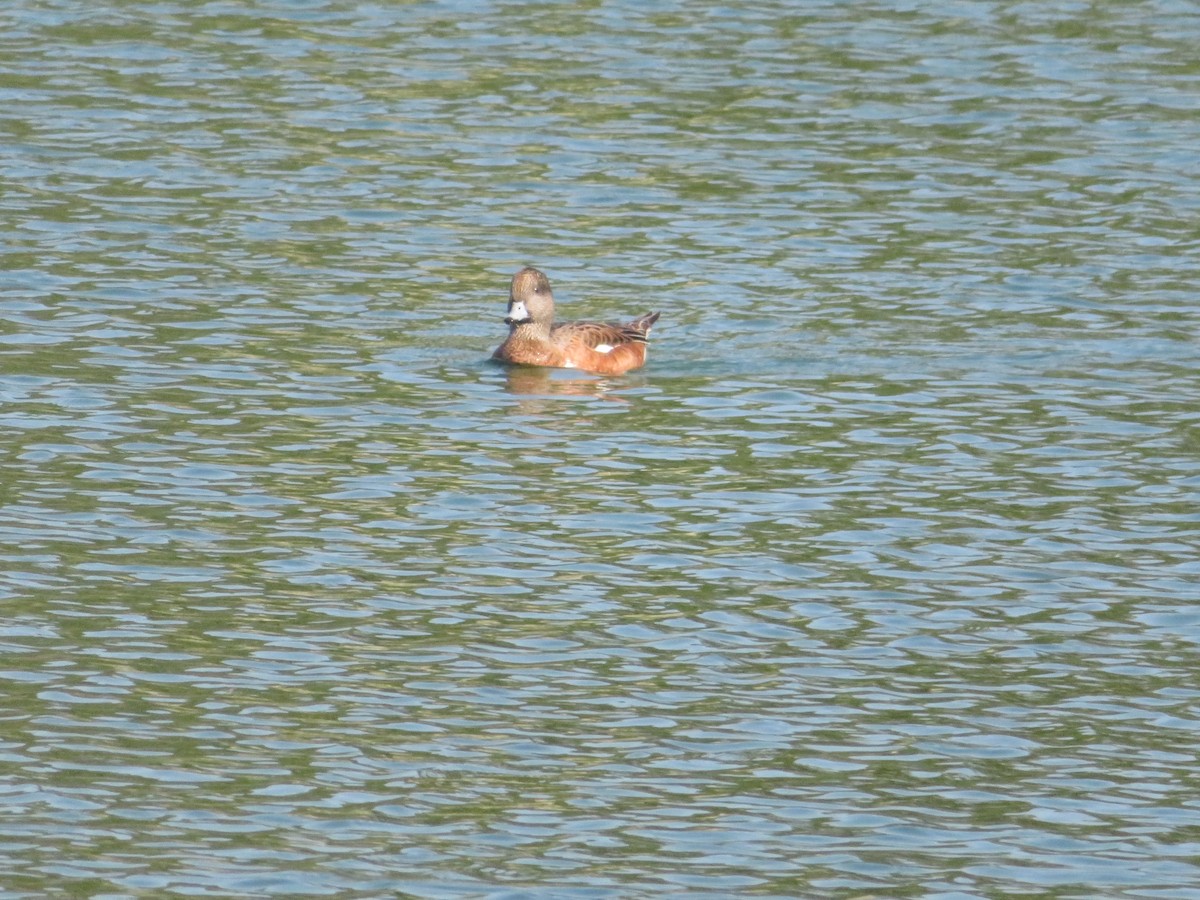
(879, 580)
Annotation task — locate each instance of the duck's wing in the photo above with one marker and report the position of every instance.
(597, 334)
(603, 347)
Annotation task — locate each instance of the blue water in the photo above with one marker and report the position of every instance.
(878, 580)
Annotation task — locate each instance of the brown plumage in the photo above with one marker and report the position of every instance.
(534, 339)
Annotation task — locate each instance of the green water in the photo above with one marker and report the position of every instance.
(878, 581)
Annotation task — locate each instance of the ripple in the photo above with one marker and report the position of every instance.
(878, 578)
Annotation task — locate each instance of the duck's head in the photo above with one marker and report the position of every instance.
(529, 299)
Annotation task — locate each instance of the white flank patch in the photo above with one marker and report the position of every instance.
(603, 348)
(568, 365)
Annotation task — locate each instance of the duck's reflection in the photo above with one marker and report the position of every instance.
(539, 387)
(540, 380)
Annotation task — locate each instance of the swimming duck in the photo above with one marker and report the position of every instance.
(534, 339)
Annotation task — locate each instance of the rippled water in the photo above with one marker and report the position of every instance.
(878, 581)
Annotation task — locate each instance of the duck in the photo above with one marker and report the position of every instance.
(596, 347)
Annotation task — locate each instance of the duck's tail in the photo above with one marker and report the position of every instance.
(642, 324)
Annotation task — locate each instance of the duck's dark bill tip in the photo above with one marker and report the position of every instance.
(509, 320)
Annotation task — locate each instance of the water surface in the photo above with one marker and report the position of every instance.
(878, 581)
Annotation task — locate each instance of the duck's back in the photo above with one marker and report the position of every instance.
(602, 347)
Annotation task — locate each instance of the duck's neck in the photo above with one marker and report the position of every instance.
(529, 333)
